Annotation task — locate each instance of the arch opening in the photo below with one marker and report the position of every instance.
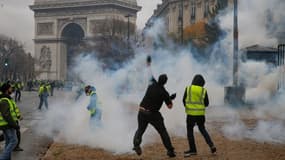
(72, 36)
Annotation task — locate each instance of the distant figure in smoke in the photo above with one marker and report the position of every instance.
(149, 108)
(18, 87)
(93, 107)
(196, 100)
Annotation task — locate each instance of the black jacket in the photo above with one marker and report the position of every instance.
(6, 114)
(154, 97)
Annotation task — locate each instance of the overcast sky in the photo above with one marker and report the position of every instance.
(16, 19)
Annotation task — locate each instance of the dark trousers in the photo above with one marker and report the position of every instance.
(51, 91)
(10, 143)
(17, 95)
(18, 136)
(18, 133)
(156, 120)
(200, 121)
(43, 100)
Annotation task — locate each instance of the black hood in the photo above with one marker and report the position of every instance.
(198, 80)
(162, 79)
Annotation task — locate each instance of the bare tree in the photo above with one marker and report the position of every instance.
(110, 42)
(15, 63)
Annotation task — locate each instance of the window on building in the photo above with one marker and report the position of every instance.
(193, 11)
(167, 19)
(180, 13)
(206, 8)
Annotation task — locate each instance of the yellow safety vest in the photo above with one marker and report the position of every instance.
(42, 89)
(16, 109)
(12, 111)
(93, 110)
(195, 100)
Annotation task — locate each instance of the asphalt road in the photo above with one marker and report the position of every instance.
(34, 144)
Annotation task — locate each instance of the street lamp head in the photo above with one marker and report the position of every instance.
(6, 62)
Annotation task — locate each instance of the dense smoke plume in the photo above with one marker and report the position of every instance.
(121, 91)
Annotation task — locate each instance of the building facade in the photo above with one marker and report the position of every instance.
(61, 24)
(186, 19)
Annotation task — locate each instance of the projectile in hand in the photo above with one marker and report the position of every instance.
(148, 60)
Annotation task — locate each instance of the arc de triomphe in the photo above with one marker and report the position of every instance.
(56, 19)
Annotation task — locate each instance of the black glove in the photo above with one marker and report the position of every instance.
(173, 96)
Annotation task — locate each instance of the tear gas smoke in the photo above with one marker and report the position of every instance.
(121, 91)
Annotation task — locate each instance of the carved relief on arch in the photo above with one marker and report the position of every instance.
(45, 61)
(45, 28)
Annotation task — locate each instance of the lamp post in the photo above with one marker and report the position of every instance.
(181, 20)
(235, 49)
(6, 62)
(235, 94)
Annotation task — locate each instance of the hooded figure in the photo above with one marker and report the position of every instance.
(196, 100)
(149, 113)
(162, 79)
(198, 80)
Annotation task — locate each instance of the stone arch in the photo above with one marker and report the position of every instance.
(72, 36)
(54, 18)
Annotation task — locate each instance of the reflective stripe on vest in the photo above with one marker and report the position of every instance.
(92, 111)
(92, 92)
(16, 109)
(12, 112)
(195, 100)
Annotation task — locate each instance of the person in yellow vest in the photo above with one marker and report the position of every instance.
(43, 95)
(93, 107)
(196, 100)
(8, 121)
(18, 87)
(18, 132)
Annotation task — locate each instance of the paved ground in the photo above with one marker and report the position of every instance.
(34, 145)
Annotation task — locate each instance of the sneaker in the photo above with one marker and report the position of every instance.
(18, 149)
(171, 154)
(138, 150)
(189, 153)
(213, 149)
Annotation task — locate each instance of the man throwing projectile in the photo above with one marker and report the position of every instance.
(149, 108)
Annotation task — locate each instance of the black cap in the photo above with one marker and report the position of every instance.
(87, 88)
(5, 87)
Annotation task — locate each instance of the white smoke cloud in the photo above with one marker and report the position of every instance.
(121, 92)
(267, 108)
